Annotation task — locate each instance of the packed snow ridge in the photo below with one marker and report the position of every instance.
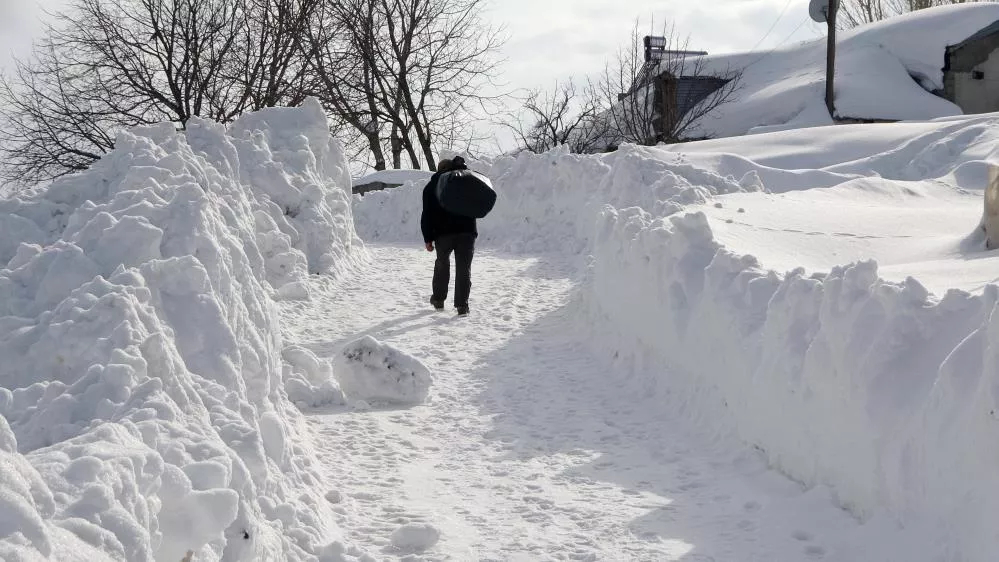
(145, 410)
(882, 391)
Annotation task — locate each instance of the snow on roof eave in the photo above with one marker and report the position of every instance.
(982, 33)
(705, 71)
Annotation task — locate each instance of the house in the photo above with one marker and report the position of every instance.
(679, 95)
(971, 72)
(936, 63)
(673, 83)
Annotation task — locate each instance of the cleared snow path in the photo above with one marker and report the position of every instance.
(531, 449)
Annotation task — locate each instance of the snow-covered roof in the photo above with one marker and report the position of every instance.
(982, 34)
(878, 66)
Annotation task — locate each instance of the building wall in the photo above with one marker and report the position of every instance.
(979, 53)
(974, 95)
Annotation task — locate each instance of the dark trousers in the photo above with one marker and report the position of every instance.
(463, 246)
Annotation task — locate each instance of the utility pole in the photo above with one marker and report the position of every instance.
(825, 11)
(831, 11)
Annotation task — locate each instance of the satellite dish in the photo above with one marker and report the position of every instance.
(819, 10)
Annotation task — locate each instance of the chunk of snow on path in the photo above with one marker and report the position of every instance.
(309, 380)
(375, 372)
(415, 537)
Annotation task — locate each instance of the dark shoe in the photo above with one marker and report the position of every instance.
(439, 305)
(462, 311)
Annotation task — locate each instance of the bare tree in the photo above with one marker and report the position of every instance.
(273, 68)
(436, 61)
(52, 123)
(564, 116)
(405, 74)
(858, 12)
(661, 100)
(343, 54)
(106, 65)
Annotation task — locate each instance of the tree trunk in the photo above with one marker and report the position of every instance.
(407, 143)
(374, 142)
(428, 153)
(413, 157)
(396, 147)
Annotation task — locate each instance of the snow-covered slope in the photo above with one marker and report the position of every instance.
(882, 391)
(909, 204)
(143, 410)
(878, 66)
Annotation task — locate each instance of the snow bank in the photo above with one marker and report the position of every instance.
(143, 414)
(842, 379)
(375, 372)
(883, 392)
(390, 215)
(871, 388)
(885, 70)
(544, 201)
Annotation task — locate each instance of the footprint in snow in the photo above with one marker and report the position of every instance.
(815, 551)
(802, 536)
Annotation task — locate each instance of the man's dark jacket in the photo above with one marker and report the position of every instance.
(437, 222)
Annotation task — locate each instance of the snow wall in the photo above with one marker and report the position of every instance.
(882, 392)
(143, 408)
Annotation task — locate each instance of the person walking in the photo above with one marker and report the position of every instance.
(448, 233)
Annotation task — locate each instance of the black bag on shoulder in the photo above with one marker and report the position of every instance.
(466, 193)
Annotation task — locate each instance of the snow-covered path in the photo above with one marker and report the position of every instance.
(532, 449)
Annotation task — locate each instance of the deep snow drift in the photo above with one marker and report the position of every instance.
(911, 205)
(885, 71)
(880, 390)
(143, 410)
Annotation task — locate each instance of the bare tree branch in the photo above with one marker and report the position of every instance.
(107, 65)
(564, 116)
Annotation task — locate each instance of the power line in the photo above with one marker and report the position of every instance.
(779, 45)
(772, 26)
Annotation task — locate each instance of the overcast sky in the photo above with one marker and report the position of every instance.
(549, 40)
